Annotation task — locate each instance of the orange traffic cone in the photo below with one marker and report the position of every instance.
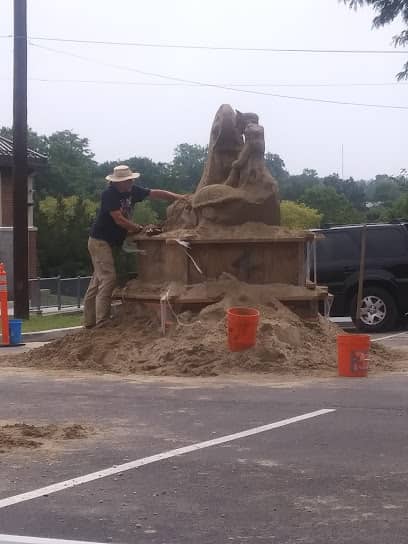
(5, 332)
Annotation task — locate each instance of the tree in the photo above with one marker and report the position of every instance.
(388, 11)
(399, 210)
(298, 215)
(353, 191)
(144, 213)
(71, 167)
(377, 214)
(63, 230)
(310, 173)
(384, 190)
(334, 208)
(294, 186)
(276, 167)
(187, 166)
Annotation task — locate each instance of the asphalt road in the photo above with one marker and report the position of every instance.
(338, 477)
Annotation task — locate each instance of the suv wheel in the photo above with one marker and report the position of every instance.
(378, 312)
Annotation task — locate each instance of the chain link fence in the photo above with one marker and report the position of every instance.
(57, 293)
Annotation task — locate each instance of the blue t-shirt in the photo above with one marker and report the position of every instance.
(104, 227)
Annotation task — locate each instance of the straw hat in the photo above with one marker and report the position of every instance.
(122, 173)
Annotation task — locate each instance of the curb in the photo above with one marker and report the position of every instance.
(46, 336)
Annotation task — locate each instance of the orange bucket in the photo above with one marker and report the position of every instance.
(242, 327)
(352, 355)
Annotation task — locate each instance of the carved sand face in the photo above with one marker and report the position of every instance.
(243, 120)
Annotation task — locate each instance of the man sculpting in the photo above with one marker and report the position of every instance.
(109, 230)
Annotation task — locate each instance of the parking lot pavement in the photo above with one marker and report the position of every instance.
(339, 476)
(396, 339)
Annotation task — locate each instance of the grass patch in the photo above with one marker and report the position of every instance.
(52, 321)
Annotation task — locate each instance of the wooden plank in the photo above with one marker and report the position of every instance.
(144, 297)
(253, 263)
(154, 297)
(281, 264)
(301, 265)
(150, 267)
(250, 261)
(175, 264)
(305, 298)
(204, 241)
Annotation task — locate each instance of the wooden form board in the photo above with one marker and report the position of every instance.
(122, 294)
(252, 261)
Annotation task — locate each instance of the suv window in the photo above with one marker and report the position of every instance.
(385, 243)
(337, 246)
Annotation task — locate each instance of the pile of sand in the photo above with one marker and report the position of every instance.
(196, 344)
(22, 435)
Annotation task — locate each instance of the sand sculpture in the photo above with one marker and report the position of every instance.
(236, 186)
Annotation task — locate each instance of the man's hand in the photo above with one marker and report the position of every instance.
(121, 221)
(136, 229)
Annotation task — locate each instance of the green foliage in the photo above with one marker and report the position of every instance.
(387, 12)
(335, 208)
(386, 192)
(276, 167)
(399, 209)
(298, 215)
(71, 167)
(293, 187)
(353, 191)
(378, 214)
(63, 228)
(187, 166)
(144, 213)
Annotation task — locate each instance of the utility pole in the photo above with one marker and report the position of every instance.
(342, 161)
(20, 166)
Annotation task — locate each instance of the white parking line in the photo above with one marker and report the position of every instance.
(10, 539)
(116, 469)
(389, 336)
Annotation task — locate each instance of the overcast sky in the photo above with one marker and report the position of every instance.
(121, 120)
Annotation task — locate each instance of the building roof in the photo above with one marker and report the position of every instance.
(6, 154)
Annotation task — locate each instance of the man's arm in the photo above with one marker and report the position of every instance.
(159, 194)
(121, 221)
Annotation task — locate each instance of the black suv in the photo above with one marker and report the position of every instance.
(385, 296)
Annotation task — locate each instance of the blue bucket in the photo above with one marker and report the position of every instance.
(15, 331)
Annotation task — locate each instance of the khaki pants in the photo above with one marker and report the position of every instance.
(97, 302)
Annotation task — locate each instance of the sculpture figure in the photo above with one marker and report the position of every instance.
(236, 186)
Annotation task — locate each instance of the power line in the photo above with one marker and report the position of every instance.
(218, 47)
(216, 86)
(237, 85)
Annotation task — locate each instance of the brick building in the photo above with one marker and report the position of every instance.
(35, 161)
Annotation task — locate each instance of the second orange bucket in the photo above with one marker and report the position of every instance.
(242, 328)
(352, 355)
